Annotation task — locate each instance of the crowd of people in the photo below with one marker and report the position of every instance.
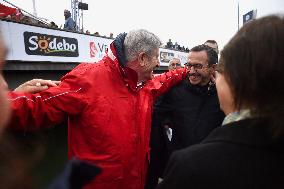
(226, 115)
(16, 15)
(176, 46)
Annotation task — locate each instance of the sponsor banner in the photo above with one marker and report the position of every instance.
(32, 43)
(166, 55)
(50, 45)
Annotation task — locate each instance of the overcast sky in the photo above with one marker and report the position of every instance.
(188, 22)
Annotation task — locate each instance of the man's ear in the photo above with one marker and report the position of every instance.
(214, 66)
(142, 58)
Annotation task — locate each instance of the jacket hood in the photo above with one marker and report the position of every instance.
(129, 75)
(118, 44)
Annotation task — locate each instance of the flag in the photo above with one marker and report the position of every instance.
(6, 11)
(251, 15)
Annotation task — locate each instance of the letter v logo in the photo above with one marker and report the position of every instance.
(93, 50)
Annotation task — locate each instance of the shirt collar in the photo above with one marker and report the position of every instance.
(237, 116)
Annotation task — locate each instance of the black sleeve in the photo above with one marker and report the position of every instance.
(176, 174)
(163, 109)
(76, 175)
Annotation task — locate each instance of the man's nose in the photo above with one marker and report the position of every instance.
(192, 69)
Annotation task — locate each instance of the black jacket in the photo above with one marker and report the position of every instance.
(191, 111)
(241, 154)
(76, 175)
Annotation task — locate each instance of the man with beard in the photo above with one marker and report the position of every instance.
(191, 109)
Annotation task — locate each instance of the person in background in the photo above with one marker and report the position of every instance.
(111, 35)
(160, 144)
(69, 22)
(109, 121)
(169, 44)
(174, 64)
(247, 151)
(96, 34)
(213, 44)
(53, 25)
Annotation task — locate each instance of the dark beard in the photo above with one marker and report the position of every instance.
(193, 74)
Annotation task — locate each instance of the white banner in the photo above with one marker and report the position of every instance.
(166, 55)
(32, 43)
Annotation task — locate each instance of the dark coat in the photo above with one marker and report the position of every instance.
(241, 154)
(75, 175)
(192, 112)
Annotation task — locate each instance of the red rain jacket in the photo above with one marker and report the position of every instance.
(109, 118)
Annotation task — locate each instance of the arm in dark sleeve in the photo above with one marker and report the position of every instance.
(76, 174)
(162, 110)
(176, 174)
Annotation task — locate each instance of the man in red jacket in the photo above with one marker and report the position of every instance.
(109, 105)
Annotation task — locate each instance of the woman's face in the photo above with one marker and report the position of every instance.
(224, 94)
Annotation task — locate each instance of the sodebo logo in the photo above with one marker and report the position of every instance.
(50, 45)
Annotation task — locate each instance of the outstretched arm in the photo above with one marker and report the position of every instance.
(162, 83)
(49, 107)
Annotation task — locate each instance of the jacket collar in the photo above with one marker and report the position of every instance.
(252, 132)
(116, 54)
(208, 89)
(237, 116)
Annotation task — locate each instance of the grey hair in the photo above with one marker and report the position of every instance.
(137, 41)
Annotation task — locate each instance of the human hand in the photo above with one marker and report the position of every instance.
(213, 77)
(213, 74)
(36, 85)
